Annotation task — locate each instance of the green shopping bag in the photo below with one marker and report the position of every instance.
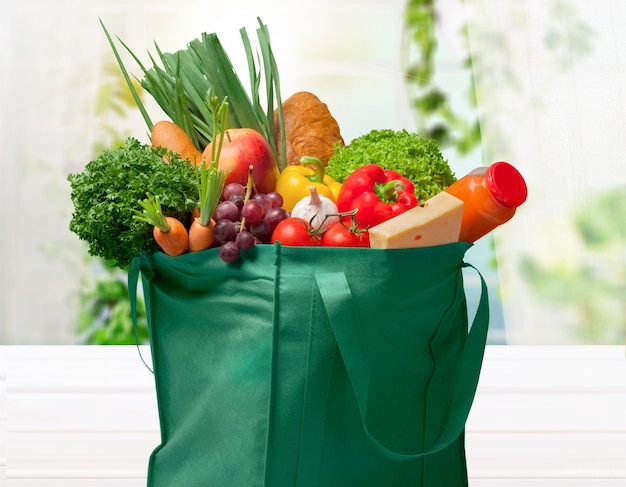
(312, 366)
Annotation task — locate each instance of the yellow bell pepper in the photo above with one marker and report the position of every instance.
(295, 181)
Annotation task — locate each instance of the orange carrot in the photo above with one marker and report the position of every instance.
(169, 135)
(201, 236)
(169, 233)
(173, 238)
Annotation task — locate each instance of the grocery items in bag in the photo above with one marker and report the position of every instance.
(491, 195)
(295, 181)
(309, 129)
(371, 181)
(438, 222)
(464, 212)
(377, 194)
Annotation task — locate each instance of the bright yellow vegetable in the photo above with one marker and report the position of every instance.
(295, 181)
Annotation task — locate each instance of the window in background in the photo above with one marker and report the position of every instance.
(549, 80)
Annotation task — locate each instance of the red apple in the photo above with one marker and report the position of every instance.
(242, 148)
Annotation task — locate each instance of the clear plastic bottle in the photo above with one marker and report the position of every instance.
(491, 196)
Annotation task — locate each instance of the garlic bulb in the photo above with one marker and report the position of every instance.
(318, 210)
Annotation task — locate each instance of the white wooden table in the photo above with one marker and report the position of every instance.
(86, 416)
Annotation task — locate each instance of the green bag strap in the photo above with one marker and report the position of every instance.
(136, 267)
(337, 299)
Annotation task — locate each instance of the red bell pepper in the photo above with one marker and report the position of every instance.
(378, 194)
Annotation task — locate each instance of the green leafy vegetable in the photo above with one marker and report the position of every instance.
(106, 196)
(180, 83)
(416, 158)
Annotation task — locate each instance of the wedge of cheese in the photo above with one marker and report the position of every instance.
(438, 222)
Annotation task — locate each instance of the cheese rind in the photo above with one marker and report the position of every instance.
(438, 222)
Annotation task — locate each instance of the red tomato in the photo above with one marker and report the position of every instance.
(294, 231)
(341, 235)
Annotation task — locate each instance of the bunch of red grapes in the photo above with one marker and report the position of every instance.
(240, 224)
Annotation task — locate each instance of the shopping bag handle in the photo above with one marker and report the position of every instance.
(138, 265)
(343, 317)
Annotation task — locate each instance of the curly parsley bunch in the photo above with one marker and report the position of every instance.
(109, 189)
(416, 158)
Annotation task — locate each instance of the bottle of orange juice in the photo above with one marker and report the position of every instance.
(491, 196)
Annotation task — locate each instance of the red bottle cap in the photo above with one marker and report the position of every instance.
(506, 184)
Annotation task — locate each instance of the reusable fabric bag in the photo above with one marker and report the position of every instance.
(307, 366)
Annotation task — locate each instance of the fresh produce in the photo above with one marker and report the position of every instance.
(243, 172)
(319, 210)
(169, 135)
(105, 196)
(201, 235)
(180, 83)
(295, 181)
(346, 234)
(245, 219)
(417, 158)
(377, 194)
(168, 232)
(309, 128)
(229, 251)
(242, 148)
(295, 232)
(185, 86)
